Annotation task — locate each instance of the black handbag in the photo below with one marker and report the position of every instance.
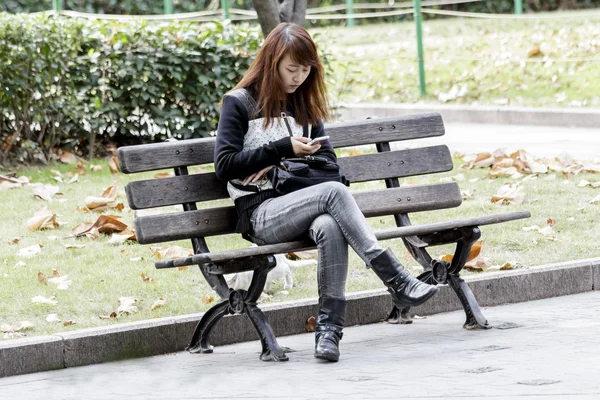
(293, 173)
(298, 173)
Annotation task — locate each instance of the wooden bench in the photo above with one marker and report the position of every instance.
(197, 223)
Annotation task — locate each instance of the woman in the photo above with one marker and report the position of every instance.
(269, 115)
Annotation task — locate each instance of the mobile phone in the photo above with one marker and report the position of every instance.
(316, 140)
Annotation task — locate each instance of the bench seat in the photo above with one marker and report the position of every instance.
(301, 245)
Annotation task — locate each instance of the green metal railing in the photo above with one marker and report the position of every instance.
(420, 58)
(168, 5)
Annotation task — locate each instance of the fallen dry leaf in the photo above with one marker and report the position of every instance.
(120, 238)
(534, 52)
(44, 192)
(30, 251)
(14, 240)
(595, 167)
(475, 250)
(483, 160)
(477, 266)
(97, 203)
(113, 164)
(44, 300)
(162, 175)
(11, 332)
(55, 272)
(42, 278)
(447, 257)
(104, 224)
(158, 303)
(42, 219)
(67, 323)
(208, 298)
(509, 193)
(127, 305)
(171, 252)
(564, 159)
(74, 178)
(52, 318)
(79, 168)
(111, 191)
(466, 194)
(20, 264)
(310, 324)
(134, 259)
(96, 167)
(147, 279)
(302, 255)
(594, 200)
(61, 282)
(104, 201)
(547, 230)
(584, 183)
(68, 158)
(551, 222)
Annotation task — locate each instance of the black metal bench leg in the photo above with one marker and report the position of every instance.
(475, 319)
(199, 342)
(271, 350)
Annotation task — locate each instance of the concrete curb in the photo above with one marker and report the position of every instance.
(166, 335)
(567, 117)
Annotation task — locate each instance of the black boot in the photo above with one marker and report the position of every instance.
(328, 331)
(405, 290)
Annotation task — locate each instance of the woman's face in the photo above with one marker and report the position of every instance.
(292, 74)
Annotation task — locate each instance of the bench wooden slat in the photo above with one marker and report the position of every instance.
(140, 158)
(222, 220)
(390, 129)
(387, 234)
(361, 168)
(397, 164)
(175, 190)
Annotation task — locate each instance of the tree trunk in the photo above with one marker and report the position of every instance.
(272, 12)
(564, 5)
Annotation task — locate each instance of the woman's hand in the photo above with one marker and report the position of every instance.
(257, 176)
(301, 148)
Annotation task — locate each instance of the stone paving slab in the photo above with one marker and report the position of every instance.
(544, 349)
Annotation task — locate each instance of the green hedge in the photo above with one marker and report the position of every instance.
(130, 7)
(65, 81)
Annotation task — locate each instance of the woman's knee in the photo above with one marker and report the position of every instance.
(335, 190)
(325, 227)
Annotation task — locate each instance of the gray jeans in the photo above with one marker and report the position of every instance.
(329, 215)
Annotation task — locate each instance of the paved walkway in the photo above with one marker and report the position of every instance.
(540, 141)
(545, 349)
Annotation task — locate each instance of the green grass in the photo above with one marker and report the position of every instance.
(488, 57)
(101, 273)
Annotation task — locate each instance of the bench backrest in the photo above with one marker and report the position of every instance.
(200, 219)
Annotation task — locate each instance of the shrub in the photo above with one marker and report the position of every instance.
(65, 81)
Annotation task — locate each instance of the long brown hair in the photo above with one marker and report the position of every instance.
(309, 101)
